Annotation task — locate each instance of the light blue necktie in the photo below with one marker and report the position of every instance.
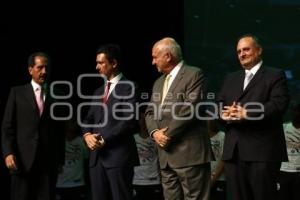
(248, 78)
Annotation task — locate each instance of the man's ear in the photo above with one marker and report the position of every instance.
(169, 57)
(260, 50)
(114, 63)
(30, 70)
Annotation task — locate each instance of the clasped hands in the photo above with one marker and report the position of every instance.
(10, 162)
(94, 141)
(161, 138)
(234, 113)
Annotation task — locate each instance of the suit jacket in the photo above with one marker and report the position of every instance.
(257, 140)
(29, 136)
(120, 148)
(189, 139)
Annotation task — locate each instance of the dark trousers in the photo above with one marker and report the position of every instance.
(289, 185)
(189, 183)
(148, 192)
(111, 183)
(252, 180)
(34, 185)
(218, 191)
(4, 181)
(73, 193)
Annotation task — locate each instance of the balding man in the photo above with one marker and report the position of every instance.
(255, 99)
(172, 122)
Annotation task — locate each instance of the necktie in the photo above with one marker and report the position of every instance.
(106, 92)
(39, 100)
(248, 78)
(165, 87)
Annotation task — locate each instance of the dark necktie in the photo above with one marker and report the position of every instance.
(106, 92)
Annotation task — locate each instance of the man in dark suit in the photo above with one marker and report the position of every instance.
(171, 118)
(32, 142)
(108, 130)
(254, 101)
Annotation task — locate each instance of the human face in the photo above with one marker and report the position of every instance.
(248, 52)
(38, 71)
(105, 67)
(160, 59)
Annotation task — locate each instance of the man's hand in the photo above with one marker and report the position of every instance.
(160, 137)
(234, 113)
(10, 162)
(93, 141)
(227, 112)
(239, 113)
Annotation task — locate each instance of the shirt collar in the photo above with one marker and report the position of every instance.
(254, 69)
(116, 79)
(176, 69)
(35, 85)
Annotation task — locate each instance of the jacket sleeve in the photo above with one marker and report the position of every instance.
(9, 126)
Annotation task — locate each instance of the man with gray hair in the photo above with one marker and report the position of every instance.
(184, 151)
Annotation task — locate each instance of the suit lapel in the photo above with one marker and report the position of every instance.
(177, 79)
(48, 101)
(117, 90)
(256, 79)
(101, 91)
(157, 91)
(239, 84)
(175, 82)
(30, 96)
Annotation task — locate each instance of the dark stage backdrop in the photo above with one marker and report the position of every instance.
(71, 32)
(206, 29)
(211, 29)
